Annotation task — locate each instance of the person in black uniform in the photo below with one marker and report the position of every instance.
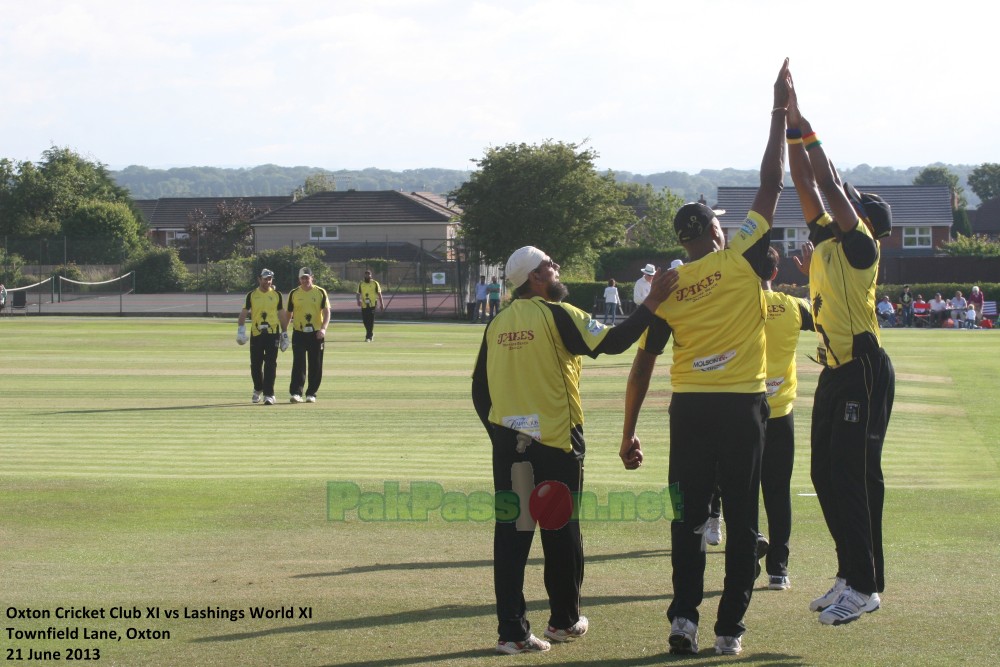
(855, 391)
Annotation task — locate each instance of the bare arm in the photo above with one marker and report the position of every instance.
(829, 183)
(772, 166)
(635, 394)
(800, 166)
(243, 317)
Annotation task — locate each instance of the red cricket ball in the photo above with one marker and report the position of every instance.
(551, 505)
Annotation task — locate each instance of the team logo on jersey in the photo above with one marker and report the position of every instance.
(852, 412)
(748, 227)
(772, 385)
(594, 327)
(529, 424)
(716, 362)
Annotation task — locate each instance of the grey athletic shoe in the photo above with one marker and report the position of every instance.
(728, 645)
(849, 607)
(530, 645)
(683, 637)
(828, 598)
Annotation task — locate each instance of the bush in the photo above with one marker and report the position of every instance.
(157, 270)
(227, 275)
(972, 246)
(621, 261)
(286, 262)
(71, 271)
(11, 265)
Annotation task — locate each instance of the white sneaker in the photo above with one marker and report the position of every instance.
(828, 598)
(849, 607)
(578, 629)
(530, 645)
(256, 397)
(296, 398)
(683, 637)
(310, 399)
(269, 400)
(713, 533)
(778, 583)
(728, 645)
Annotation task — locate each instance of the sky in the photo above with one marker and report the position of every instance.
(649, 85)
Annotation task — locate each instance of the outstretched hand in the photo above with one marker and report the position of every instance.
(803, 264)
(663, 285)
(782, 87)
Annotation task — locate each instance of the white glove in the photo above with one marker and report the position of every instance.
(284, 342)
(241, 334)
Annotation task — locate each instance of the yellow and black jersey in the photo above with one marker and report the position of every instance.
(306, 308)
(264, 308)
(369, 293)
(842, 276)
(716, 316)
(786, 316)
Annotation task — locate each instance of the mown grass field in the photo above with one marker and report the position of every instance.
(135, 473)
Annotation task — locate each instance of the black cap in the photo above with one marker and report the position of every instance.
(692, 220)
(873, 208)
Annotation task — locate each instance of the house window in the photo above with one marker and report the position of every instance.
(788, 240)
(172, 236)
(916, 237)
(324, 233)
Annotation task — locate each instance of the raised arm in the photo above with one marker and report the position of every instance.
(798, 163)
(828, 180)
(772, 166)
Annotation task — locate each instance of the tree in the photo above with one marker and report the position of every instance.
(316, 183)
(960, 225)
(226, 235)
(35, 199)
(103, 232)
(550, 196)
(985, 181)
(654, 211)
(937, 175)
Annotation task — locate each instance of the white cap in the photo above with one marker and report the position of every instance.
(677, 262)
(649, 269)
(522, 262)
(305, 271)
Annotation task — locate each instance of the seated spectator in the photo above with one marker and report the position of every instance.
(976, 300)
(921, 311)
(886, 312)
(939, 310)
(958, 306)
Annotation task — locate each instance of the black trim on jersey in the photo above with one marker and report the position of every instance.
(864, 343)
(756, 255)
(481, 386)
(658, 336)
(860, 249)
(819, 233)
(618, 339)
(807, 318)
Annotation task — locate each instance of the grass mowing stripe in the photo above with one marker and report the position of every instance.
(137, 472)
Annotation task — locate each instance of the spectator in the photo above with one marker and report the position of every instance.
(939, 309)
(493, 290)
(3, 297)
(976, 300)
(482, 293)
(906, 306)
(921, 310)
(611, 302)
(958, 306)
(641, 289)
(886, 312)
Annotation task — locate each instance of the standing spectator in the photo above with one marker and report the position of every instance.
(611, 302)
(309, 315)
(939, 309)
(493, 290)
(526, 391)
(267, 314)
(718, 408)
(641, 288)
(921, 310)
(906, 306)
(958, 306)
(3, 297)
(369, 295)
(855, 390)
(976, 300)
(481, 296)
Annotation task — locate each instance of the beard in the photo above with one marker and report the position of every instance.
(556, 291)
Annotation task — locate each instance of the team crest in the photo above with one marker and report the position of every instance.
(852, 412)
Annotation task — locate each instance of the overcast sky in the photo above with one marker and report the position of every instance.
(651, 85)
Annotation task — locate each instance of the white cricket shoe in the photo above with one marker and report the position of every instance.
(713, 533)
(269, 400)
(310, 398)
(296, 398)
(778, 583)
(578, 629)
(828, 598)
(849, 607)
(256, 397)
(683, 636)
(530, 645)
(728, 645)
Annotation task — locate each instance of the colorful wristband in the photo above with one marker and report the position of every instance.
(794, 141)
(793, 133)
(811, 141)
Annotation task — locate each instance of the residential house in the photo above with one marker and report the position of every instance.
(168, 217)
(985, 220)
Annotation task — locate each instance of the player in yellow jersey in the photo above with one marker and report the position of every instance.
(718, 409)
(267, 336)
(856, 388)
(369, 295)
(526, 391)
(308, 315)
